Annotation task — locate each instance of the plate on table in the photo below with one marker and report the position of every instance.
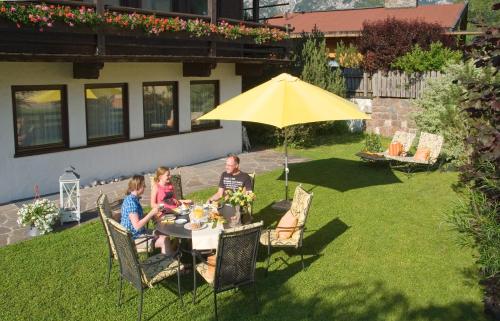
(168, 218)
(188, 226)
(180, 221)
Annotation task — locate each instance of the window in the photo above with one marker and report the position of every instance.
(40, 118)
(160, 108)
(107, 113)
(158, 5)
(198, 7)
(204, 98)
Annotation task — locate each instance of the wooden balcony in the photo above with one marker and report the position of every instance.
(106, 42)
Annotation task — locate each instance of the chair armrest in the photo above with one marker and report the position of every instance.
(145, 238)
(198, 254)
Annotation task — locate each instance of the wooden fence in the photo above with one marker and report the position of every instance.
(396, 84)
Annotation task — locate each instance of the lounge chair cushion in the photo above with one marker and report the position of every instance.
(286, 226)
(422, 154)
(395, 149)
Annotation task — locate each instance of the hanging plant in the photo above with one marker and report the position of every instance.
(44, 16)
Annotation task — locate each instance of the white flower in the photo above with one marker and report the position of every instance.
(42, 214)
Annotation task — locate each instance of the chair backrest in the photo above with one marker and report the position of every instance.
(433, 142)
(236, 256)
(127, 254)
(104, 210)
(405, 138)
(177, 183)
(300, 209)
(249, 208)
(252, 178)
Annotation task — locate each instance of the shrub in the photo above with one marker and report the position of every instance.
(419, 60)
(439, 109)
(310, 63)
(479, 219)
(348, 56)
(313, 60)
(373, 143)
(381, 42)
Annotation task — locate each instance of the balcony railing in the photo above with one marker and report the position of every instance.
(131, 34)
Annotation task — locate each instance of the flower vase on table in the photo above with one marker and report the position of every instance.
(236, 200)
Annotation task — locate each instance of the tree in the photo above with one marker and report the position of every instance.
(382, 41)
(311, 60)
(478, 218)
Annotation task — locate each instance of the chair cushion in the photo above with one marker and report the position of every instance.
(293, 241)
(204, 269)
(159, 267)
(286, 226)
(422, 154)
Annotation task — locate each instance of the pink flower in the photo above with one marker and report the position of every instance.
(12, 9)
(71, 24)
(49, 24)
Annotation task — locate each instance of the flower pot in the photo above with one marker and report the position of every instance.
(33, 231)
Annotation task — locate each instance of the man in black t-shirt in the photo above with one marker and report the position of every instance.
(232, 178)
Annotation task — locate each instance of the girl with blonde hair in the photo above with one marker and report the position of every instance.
(162, 190)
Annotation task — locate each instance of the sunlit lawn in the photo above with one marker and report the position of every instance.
(377, 248)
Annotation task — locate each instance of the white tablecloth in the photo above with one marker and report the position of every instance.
(207, 238)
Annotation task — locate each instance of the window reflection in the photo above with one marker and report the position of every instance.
(204, 98)
(38, 117)
(105, 112)
(160, 108)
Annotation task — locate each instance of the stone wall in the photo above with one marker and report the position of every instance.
(389, 115)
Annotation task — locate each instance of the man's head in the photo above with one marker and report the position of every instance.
(232, 164)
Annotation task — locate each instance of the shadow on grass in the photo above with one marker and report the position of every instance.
(340, 301)
(313, 244)
(340, 174)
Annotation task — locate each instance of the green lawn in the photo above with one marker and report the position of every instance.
(377, 248)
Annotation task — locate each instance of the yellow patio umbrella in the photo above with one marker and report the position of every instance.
(283, 101)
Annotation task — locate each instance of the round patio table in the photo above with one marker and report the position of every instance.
(174, 229)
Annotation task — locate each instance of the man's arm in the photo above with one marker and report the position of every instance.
(217, 196)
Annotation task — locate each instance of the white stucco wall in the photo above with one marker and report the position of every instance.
(19, 175)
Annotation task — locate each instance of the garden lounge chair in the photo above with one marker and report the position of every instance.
(142, 275)
(234, 263)
(405, 138)
(104, 210)
(432, 142)
(300, 208)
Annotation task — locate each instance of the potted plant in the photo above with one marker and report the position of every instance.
(237, 199)
(39, 215)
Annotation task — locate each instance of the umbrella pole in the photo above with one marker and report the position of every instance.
(286, 168)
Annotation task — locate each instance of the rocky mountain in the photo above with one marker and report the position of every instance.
(321, 5)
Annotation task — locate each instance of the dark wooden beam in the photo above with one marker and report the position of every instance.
(253, 70)
(101, 44)
(255, 10)
(87, 70)
(197, 69)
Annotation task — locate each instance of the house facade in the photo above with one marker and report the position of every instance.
(111, 99)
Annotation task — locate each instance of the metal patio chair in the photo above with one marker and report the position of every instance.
(145, 274)
(235, 261)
